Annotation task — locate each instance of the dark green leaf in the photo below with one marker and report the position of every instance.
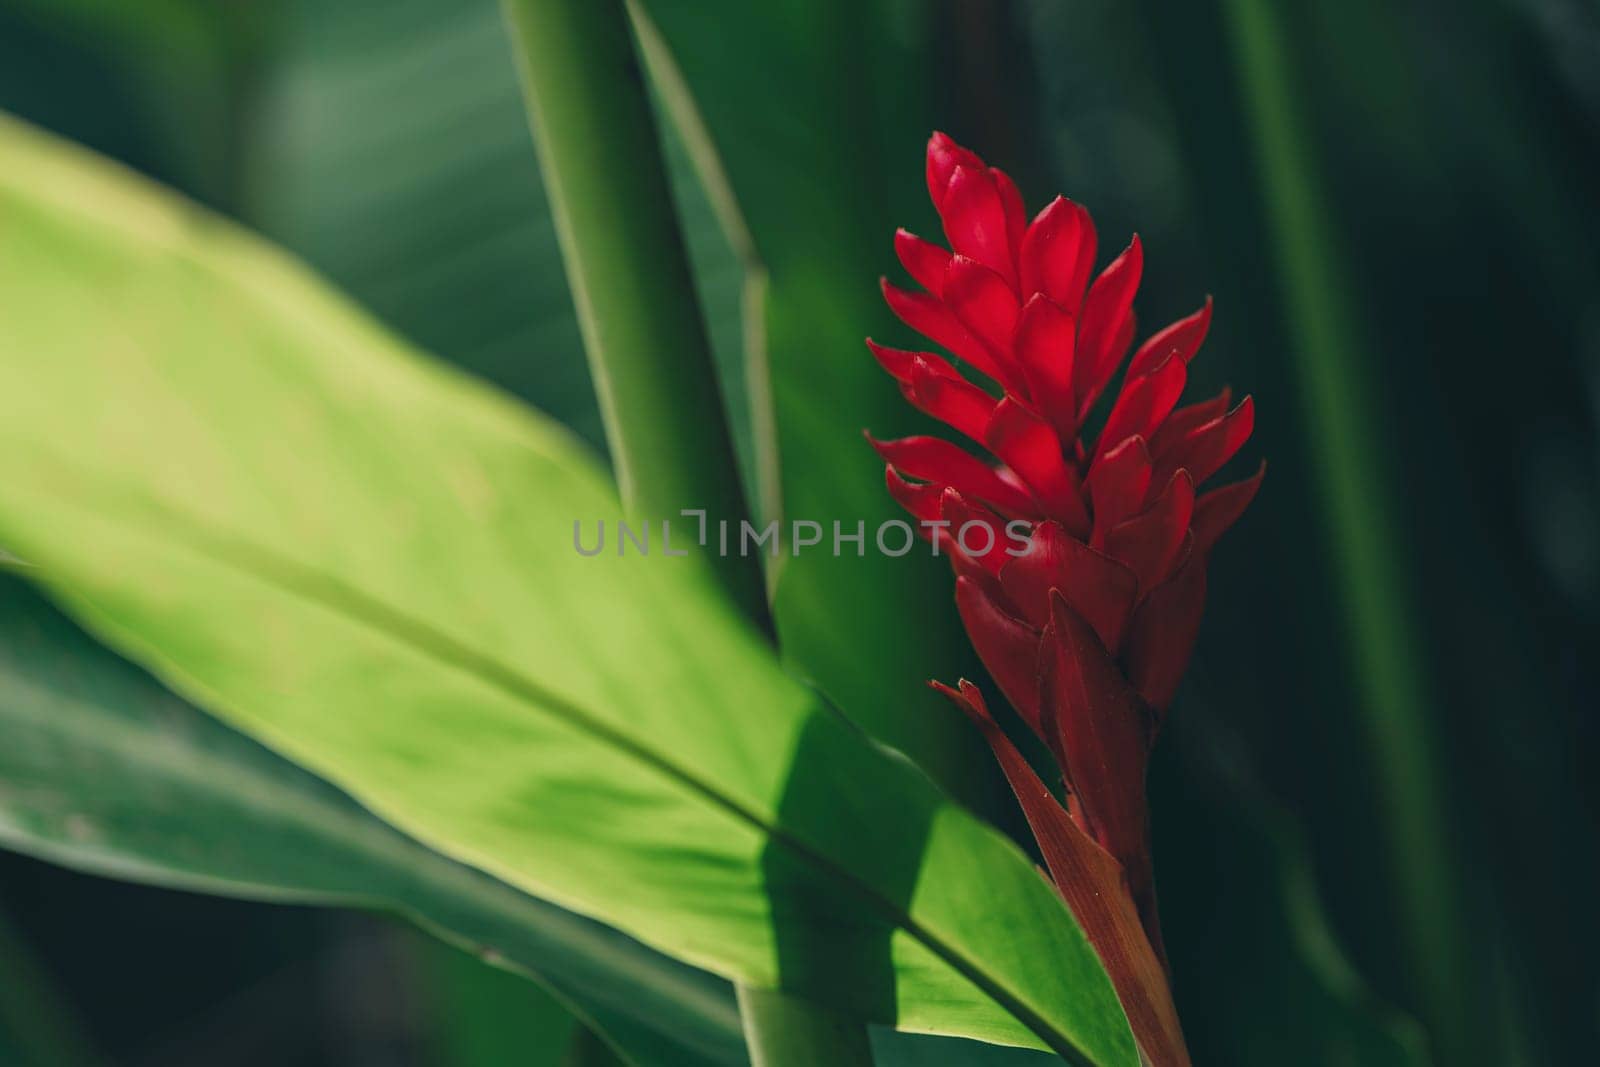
(769, 98)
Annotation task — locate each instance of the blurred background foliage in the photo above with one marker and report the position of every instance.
(1444, 293)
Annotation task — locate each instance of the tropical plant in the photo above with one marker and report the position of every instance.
(631, 699)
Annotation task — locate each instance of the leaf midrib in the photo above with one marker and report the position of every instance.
(301, 581)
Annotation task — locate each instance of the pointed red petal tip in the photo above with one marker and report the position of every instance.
(923, 260)
(896, 361)
(920, 501)
(976, 220)
(928, 315)
(1057, 253)
(938, 390)
(933, 459)
(967, 697)
(1219, 509)
(1186, 419)
(1183, 337)
(1207, 448)
(904, 365)
(1106, 328)
(1145, 403)
(984, 547)
(944, 156)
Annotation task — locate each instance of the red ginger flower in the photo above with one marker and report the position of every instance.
(1089, 630)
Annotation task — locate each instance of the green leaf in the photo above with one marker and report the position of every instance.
(427, 206)
(390, 150)
(107, 772)
(806, 205)
(367, 561)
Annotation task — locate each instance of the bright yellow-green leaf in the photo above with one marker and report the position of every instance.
(366, 560)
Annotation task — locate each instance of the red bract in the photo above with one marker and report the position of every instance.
(1080, 559)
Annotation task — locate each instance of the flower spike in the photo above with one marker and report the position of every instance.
(1089, 631)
